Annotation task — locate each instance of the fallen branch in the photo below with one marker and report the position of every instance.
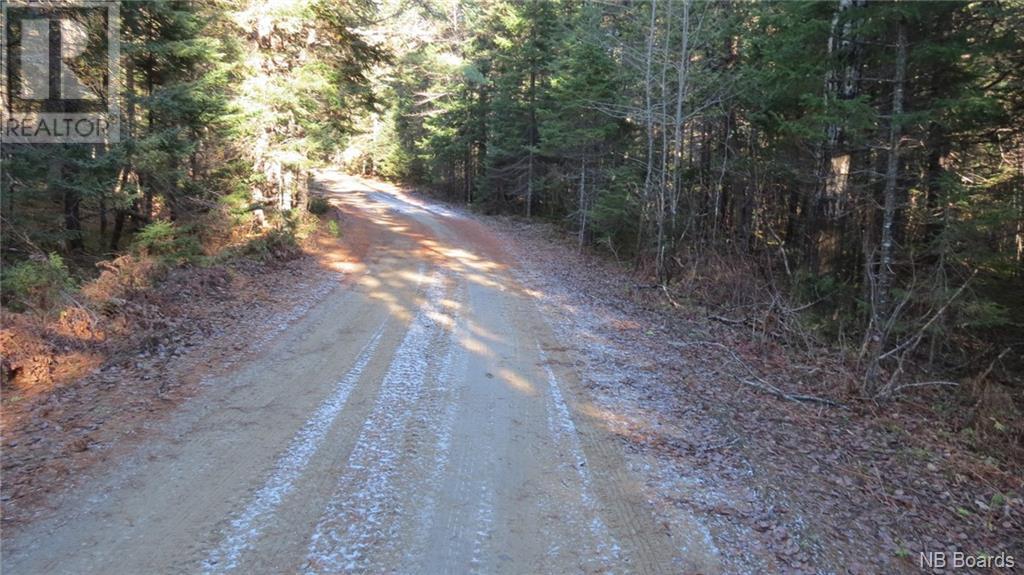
(767, 387)
(727, 320)
(717, 446)
(912, 341)
(664, 289)
(992, 365)
(924, 384)
(760, 383)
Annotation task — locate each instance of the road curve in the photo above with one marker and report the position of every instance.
(421, 418)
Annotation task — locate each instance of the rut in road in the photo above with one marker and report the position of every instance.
(281, 481)
(421, 418)
(361, 520)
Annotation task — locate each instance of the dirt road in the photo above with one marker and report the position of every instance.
(421, 418)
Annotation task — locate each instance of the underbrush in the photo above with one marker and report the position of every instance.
(123, 278)
(56, 329)
(318, 206)
(276, 244)
(282, 241)
(170, 243)
(740, 291)
(958, 366)
(40, 284)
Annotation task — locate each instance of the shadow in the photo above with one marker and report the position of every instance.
(387, 233)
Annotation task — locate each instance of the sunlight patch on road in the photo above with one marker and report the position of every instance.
(387, 288)
(476, 346)
(516, 382)
(451, 304)
(483, 333)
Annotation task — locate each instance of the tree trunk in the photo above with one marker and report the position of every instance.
(660, 268)
(881, 312)
(834, 165)
(583, 204)
(649, 121)
(678, 121)
(533, 131)
(1020, 213)
(938, 146)
(73, 219)
(885, 272)
(115, 236)
(7, 188)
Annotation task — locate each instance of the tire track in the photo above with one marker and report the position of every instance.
(246, 528)
(364, 513)
(560, 423)
(447, 394)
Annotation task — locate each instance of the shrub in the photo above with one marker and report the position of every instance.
(278, 244)
(39, 284)
(122, 277)
(164, 240)
(318, 206)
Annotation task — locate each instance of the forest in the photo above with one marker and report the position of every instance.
(861, 163)
(861, 160)
(841, 178)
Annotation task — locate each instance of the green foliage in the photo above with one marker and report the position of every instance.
(302, 96)
(769, 138)
(203, 102)
(982, 314)
(277, 244)
(318, 206)
(168, 242)
(39, 285)
(613, 213)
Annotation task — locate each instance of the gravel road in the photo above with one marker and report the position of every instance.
(420, 418)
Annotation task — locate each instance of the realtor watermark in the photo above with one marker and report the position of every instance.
(954, 560)
(60, 70)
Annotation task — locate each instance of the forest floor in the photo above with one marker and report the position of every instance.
(607, 428)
